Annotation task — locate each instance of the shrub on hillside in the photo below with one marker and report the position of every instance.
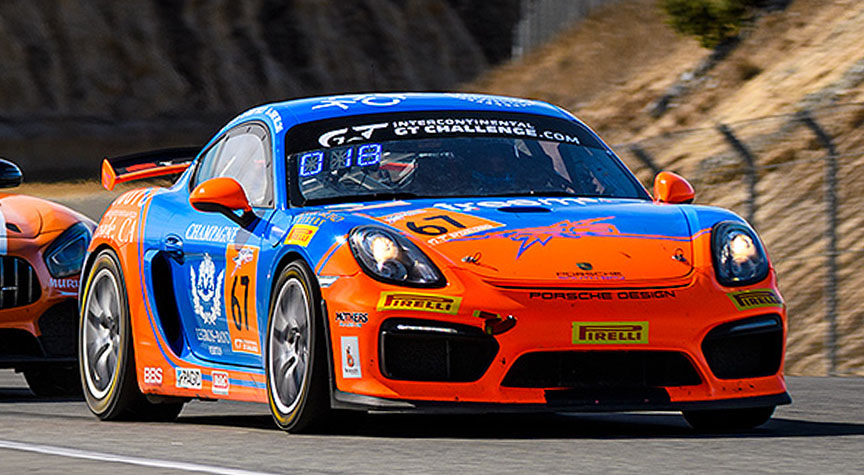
(711, 21)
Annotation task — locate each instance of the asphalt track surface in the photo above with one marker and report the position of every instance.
(822, 432)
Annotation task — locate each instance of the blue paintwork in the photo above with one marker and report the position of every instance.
(169, 213)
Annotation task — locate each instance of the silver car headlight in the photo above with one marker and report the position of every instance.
(391, 258)
(739, 258)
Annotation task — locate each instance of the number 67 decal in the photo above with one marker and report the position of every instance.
(240, 278)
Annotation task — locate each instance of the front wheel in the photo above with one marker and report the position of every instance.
(295, 354)
(727, 420)
(106, 355)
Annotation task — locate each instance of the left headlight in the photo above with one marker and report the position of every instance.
(739, 258)
(65, 255)
(389, 257)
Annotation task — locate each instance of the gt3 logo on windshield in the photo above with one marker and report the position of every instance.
(357, 133)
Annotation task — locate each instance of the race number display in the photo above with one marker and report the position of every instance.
(242, 263)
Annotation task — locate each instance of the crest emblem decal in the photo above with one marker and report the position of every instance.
(207, 290)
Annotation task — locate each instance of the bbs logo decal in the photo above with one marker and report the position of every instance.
(207, 290)
(187, 378)
(152, 375)
(338, 137)
(221, 382)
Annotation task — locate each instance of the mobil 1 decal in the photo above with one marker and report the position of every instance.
(240, 282)
(377, 128)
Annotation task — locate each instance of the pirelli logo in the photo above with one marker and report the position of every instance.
(616, 333)
(757, 298)
(301, 234)
(420, 302)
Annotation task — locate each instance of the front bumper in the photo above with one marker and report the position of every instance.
(678, 319)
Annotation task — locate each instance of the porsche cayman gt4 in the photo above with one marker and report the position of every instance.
(423, 252)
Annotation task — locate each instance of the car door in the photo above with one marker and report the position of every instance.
(215, 260)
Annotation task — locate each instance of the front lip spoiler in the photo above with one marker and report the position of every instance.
(350, 401)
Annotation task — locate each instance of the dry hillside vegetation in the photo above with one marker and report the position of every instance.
(612, 69)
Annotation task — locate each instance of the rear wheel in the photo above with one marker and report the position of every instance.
(295, 354)
(56, 381)
(106, 355)
(727, 420)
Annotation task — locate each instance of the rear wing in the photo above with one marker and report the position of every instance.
(146, 165)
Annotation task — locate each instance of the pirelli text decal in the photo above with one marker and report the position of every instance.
(756, 298)
(419, 302)
(610, 333)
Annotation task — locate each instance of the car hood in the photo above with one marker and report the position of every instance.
(27, 216)
(549, 241)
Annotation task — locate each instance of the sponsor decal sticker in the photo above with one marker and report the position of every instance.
(211, 233)
(351, 358)
(207, 290)
(335, 138)
(63, 284)
(301, 234)
(437, 226)
(240, 291)
(610, 333)
(594, 275)
(153, 375)
(221, 382)
(757, 298)
(604, 295)
(419, 302)
(372, 100)
(352, 319)
(528, 237)
(187, 378)
(476, 205)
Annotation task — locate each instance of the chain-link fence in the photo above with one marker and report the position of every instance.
(540, 20)
(799, 179)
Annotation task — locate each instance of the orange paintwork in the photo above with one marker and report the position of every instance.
(110, 177)
(39, 223)
(672, 188)
(223, 191)
(678, 322)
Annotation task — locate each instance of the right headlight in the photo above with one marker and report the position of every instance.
(65, 255)
(389, 257)
(739, 258)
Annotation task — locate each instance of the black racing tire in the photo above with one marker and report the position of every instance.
(728, 420)
(295, 353)
(112, 393)
(54, 381)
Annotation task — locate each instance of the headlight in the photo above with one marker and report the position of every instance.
(389, 257)
(66, 254)
(739, 258)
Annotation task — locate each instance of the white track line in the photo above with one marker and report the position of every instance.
(103, 457)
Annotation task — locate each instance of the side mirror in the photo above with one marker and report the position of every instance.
(672, 188)
(223, 195)
(10, 174)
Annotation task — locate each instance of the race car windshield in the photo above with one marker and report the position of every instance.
(538, 163)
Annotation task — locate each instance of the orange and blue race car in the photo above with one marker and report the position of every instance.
(423, 253)
(42, 248)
